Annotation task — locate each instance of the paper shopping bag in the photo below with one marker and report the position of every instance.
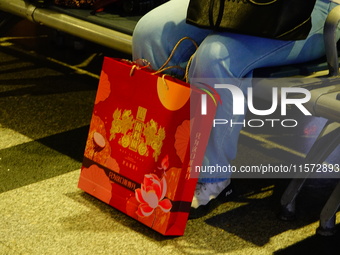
(146, 133)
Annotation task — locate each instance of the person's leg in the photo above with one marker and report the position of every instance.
(158, 31)
(227, 58)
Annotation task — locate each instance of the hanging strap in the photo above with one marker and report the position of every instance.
(200, 86)
(219, 16)
(164, 67)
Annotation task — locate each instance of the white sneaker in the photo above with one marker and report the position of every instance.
(209, 195)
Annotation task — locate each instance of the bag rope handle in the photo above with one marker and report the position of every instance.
(164, 68)
(206, 88)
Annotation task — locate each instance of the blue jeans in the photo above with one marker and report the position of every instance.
(221, 56)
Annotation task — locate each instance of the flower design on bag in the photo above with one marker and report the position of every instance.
(151, 195)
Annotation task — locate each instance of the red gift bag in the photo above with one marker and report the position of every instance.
(146, 133)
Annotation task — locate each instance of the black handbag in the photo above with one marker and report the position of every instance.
(278, 19)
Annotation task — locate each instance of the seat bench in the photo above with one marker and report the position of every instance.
(110, 30)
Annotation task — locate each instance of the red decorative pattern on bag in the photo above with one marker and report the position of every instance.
(139, 145)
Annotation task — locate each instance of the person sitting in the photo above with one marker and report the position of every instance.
(220, 57)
